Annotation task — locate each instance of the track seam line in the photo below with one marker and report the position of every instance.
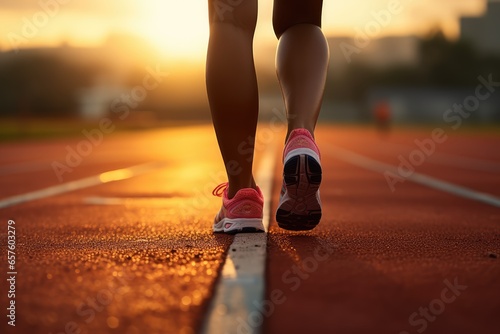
(240, 290)
(102, 178)
(423, 179)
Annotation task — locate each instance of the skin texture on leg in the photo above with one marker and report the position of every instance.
(301, 61)
(232, 87)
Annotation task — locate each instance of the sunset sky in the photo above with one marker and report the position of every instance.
(179, 29)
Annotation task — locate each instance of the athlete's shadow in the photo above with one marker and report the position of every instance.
(295, 247)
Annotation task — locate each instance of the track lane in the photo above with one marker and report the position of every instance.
(385, 256)
(147, 264)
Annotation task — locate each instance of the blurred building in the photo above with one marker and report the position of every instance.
(484, 31)
(381, 52)
(94, 102)
(392, 51)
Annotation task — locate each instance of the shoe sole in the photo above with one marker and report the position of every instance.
(300, 208)
(239, 225)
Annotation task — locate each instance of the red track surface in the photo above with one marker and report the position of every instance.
(376, 258)
(390, 252)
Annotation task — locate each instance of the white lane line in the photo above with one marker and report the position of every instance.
(241, 287)
(431, 182)
(114, 175)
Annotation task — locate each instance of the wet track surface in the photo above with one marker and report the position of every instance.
(137, 255)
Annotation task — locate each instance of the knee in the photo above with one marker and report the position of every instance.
(281, 27)
(290, 13)
(239, 13)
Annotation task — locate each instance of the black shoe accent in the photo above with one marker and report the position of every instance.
(291, 171)
(295, 168)
(293, 222)
(314, 172)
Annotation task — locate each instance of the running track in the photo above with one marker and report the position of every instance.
(115, 248)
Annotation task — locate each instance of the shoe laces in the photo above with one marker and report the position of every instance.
(219, 190)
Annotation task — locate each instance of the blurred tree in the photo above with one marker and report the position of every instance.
(447, 63)
(40, 85)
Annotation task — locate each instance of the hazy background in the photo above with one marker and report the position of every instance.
(84, 60)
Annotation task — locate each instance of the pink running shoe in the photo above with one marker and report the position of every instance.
(240, 214)
(299, 208)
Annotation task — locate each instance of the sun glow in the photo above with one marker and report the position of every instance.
(179, 29)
